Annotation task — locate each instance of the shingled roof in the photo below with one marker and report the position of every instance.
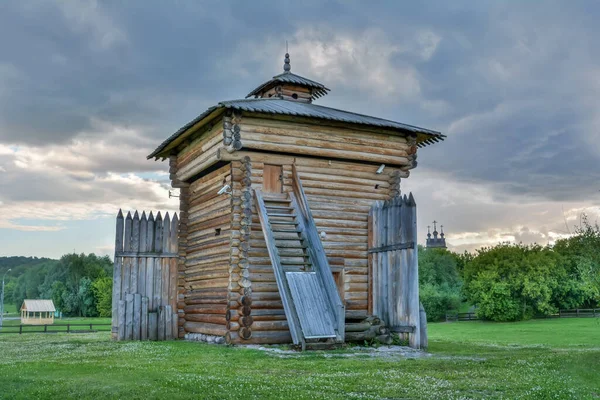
(281, 106)
(309, 110)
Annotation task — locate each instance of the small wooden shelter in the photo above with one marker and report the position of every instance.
(292, 227)
(37, 312)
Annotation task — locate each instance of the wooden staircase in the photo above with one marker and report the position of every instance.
(312, 305)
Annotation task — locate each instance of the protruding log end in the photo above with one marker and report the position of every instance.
(245, 333)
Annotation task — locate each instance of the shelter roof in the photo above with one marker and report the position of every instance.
(38, 305)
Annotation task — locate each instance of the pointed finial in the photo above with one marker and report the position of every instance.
(428, 231)
(286, 62)
(442, 231)
(434, 226)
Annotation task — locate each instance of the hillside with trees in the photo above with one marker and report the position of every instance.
(80, 285)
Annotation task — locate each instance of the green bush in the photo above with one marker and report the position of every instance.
(102, 288)
(437, 300)
(439, 282)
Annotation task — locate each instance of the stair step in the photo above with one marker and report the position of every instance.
(276, 200)
(279, 207)
(286, 254)
(283, 222)
(301, 247)
(282, 215)
(288, 231)
(294, 263)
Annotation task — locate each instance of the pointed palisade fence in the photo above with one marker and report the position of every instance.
(394, 280)
(144, 305)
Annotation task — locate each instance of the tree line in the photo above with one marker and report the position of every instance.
(80, 285)
(511, 282)
(506, 282)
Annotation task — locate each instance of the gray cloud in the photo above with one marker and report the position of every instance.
(515, 86)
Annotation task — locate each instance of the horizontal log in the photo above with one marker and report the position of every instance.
(270, 326)
(206, 328)
(206, 309)
(327, 153)
(358, 327)
(209, 318)
(264, 337)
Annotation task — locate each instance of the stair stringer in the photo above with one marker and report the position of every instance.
(284, 290)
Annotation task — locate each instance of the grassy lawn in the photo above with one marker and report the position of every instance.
(468, 360)
(10, 308)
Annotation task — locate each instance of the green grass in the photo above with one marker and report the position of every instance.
(468, 360)
(10, 308)
(555, 333)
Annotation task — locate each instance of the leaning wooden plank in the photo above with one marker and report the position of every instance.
(157, 284)
(135, 232)
(412, 255)
(129, 317)
(423, 327)
(144, 323)
(168, 312)
(175, 325)
(122, 313)
(164, 293)
(137, 316)
(116, 294)
(172, 265)
(161, 323)
(153, 326)
(150, 283)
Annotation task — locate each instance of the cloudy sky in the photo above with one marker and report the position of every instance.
(89, 88)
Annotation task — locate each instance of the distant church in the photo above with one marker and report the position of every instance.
(436, 242)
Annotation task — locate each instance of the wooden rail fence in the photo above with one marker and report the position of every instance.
(573, 313)
(55, 328)
(145, 277)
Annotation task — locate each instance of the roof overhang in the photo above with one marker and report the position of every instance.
(288, 109)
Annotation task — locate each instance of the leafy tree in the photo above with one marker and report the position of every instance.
(512, 282)
(580, 257)
(58, 291)
(86, 299)
(439, 282)
(102, 288)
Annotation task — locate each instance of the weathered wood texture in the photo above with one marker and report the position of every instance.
(204, 270)
(342, 143)
(145, 272)
(199, 152)
(340, 196)
(394, 266)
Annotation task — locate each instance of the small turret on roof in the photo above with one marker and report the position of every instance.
(289, 86)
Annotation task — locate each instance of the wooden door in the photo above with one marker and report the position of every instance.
(273, 178)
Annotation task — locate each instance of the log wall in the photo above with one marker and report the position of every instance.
(328, 141)
(199, 152)
(207, 254)
(340, 195)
